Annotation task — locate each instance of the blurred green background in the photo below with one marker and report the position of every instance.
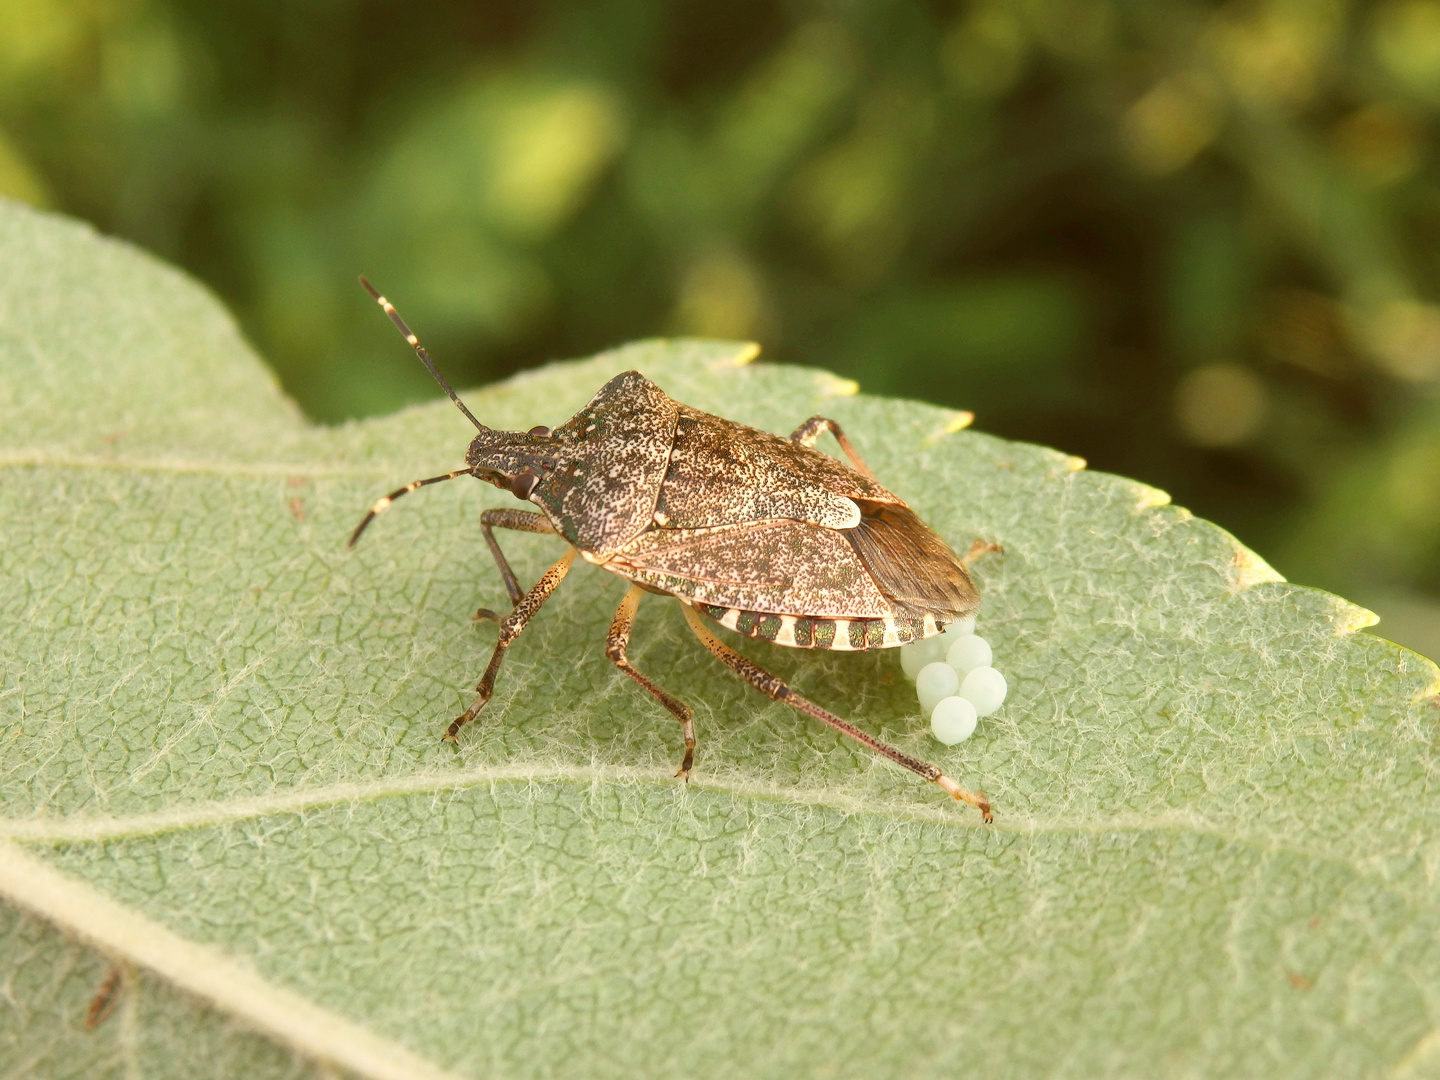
(1194, 243)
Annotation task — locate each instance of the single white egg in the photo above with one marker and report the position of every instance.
(960, 627)
(917, 654)
(985, 688)
(968, 653)
(952, 720)
(936, 681)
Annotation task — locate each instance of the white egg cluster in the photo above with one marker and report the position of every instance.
(954, 679)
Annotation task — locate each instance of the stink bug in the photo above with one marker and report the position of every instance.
(765, 536)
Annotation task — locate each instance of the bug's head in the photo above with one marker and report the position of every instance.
(516, 461)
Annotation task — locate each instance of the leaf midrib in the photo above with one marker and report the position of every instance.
(81, 829)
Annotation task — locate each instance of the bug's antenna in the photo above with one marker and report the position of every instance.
(382, 504)
(409, 336)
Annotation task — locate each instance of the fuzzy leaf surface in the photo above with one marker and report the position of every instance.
(1216, 815)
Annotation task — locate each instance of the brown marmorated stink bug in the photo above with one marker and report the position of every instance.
(765, 536)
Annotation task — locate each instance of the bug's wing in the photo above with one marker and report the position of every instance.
(819, 468)
(890, 565)
(912, 566)
(723, 473)
(782, 567)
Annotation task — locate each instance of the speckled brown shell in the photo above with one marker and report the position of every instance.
(762, 533)
(609, 466)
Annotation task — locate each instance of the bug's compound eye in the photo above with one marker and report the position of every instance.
(539, 431)
(524, 483)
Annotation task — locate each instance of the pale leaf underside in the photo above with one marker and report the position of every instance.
(220, 764)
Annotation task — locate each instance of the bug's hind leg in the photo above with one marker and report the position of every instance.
(812, 429)
(977, 549)
(520, 521)
(510, 628)
(773, 687)
(615, 645)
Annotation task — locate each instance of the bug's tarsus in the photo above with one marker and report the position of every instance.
(616, 642)
(510, 629)
(383, 503)
(977, 549)
(484, 614)
(974, 798)
(775, 688)
(409, 335)
(812, 429)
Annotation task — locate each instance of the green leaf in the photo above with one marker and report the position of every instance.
(221, 770)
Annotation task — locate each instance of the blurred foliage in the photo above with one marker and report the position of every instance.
(1196, 243)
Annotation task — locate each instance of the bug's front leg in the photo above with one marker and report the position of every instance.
(812, 429)
(510, 628)
(615, 646)
(773, 687)
(520, 521)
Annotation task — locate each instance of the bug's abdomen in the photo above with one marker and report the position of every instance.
(841, 635)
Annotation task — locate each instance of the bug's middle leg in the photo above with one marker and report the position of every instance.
(615, 645)
(775, 688)
(510, 628)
